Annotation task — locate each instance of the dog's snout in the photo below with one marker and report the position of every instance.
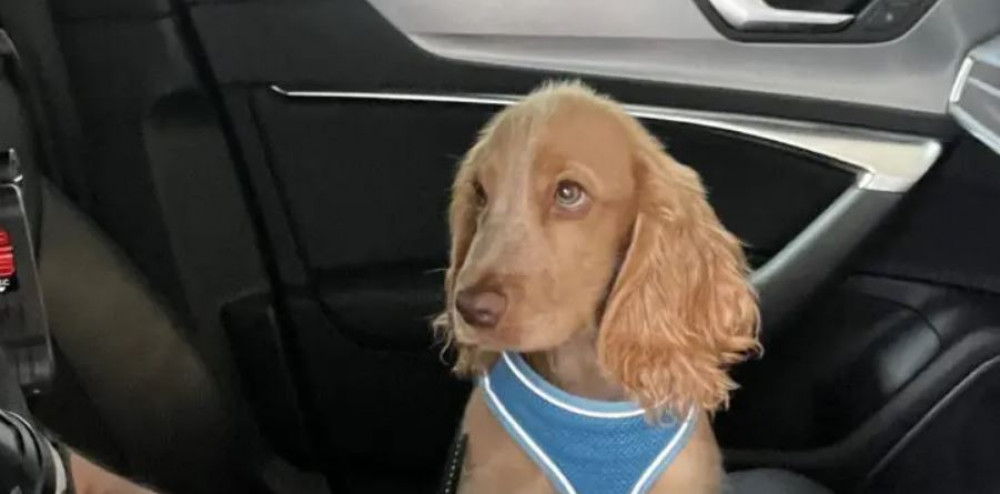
(481, 308)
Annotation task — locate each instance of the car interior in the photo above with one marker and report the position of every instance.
(238, 212)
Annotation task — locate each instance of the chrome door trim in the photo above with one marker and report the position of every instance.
(886, 165)
(756, 15)
(673, 42)
(883, 161)
(975, 97)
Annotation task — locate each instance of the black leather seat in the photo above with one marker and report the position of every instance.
(771, 481)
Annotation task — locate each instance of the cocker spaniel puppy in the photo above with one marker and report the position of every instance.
(598, 300)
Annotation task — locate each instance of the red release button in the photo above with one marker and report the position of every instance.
(7, 268)
(6, 265)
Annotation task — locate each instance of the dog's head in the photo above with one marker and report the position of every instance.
(568, 217)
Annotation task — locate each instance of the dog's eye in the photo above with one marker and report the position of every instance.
(481, 198)
(569, 194)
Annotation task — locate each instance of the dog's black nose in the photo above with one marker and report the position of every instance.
(481, 308)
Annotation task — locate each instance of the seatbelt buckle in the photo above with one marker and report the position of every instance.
(24, 329)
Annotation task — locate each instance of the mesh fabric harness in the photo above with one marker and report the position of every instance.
(583, 446)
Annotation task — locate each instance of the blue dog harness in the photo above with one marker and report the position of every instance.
(583, 446)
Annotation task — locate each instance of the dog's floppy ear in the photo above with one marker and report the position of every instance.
(681, 310)
(462, 220)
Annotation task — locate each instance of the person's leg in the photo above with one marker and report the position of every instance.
(165, 410)
(89, 477)
(33, 457)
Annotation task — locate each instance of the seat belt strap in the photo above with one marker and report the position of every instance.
(24, 329)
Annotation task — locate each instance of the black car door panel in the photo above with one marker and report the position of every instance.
(351, 133)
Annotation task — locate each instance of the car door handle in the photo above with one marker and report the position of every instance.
(757, 15)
